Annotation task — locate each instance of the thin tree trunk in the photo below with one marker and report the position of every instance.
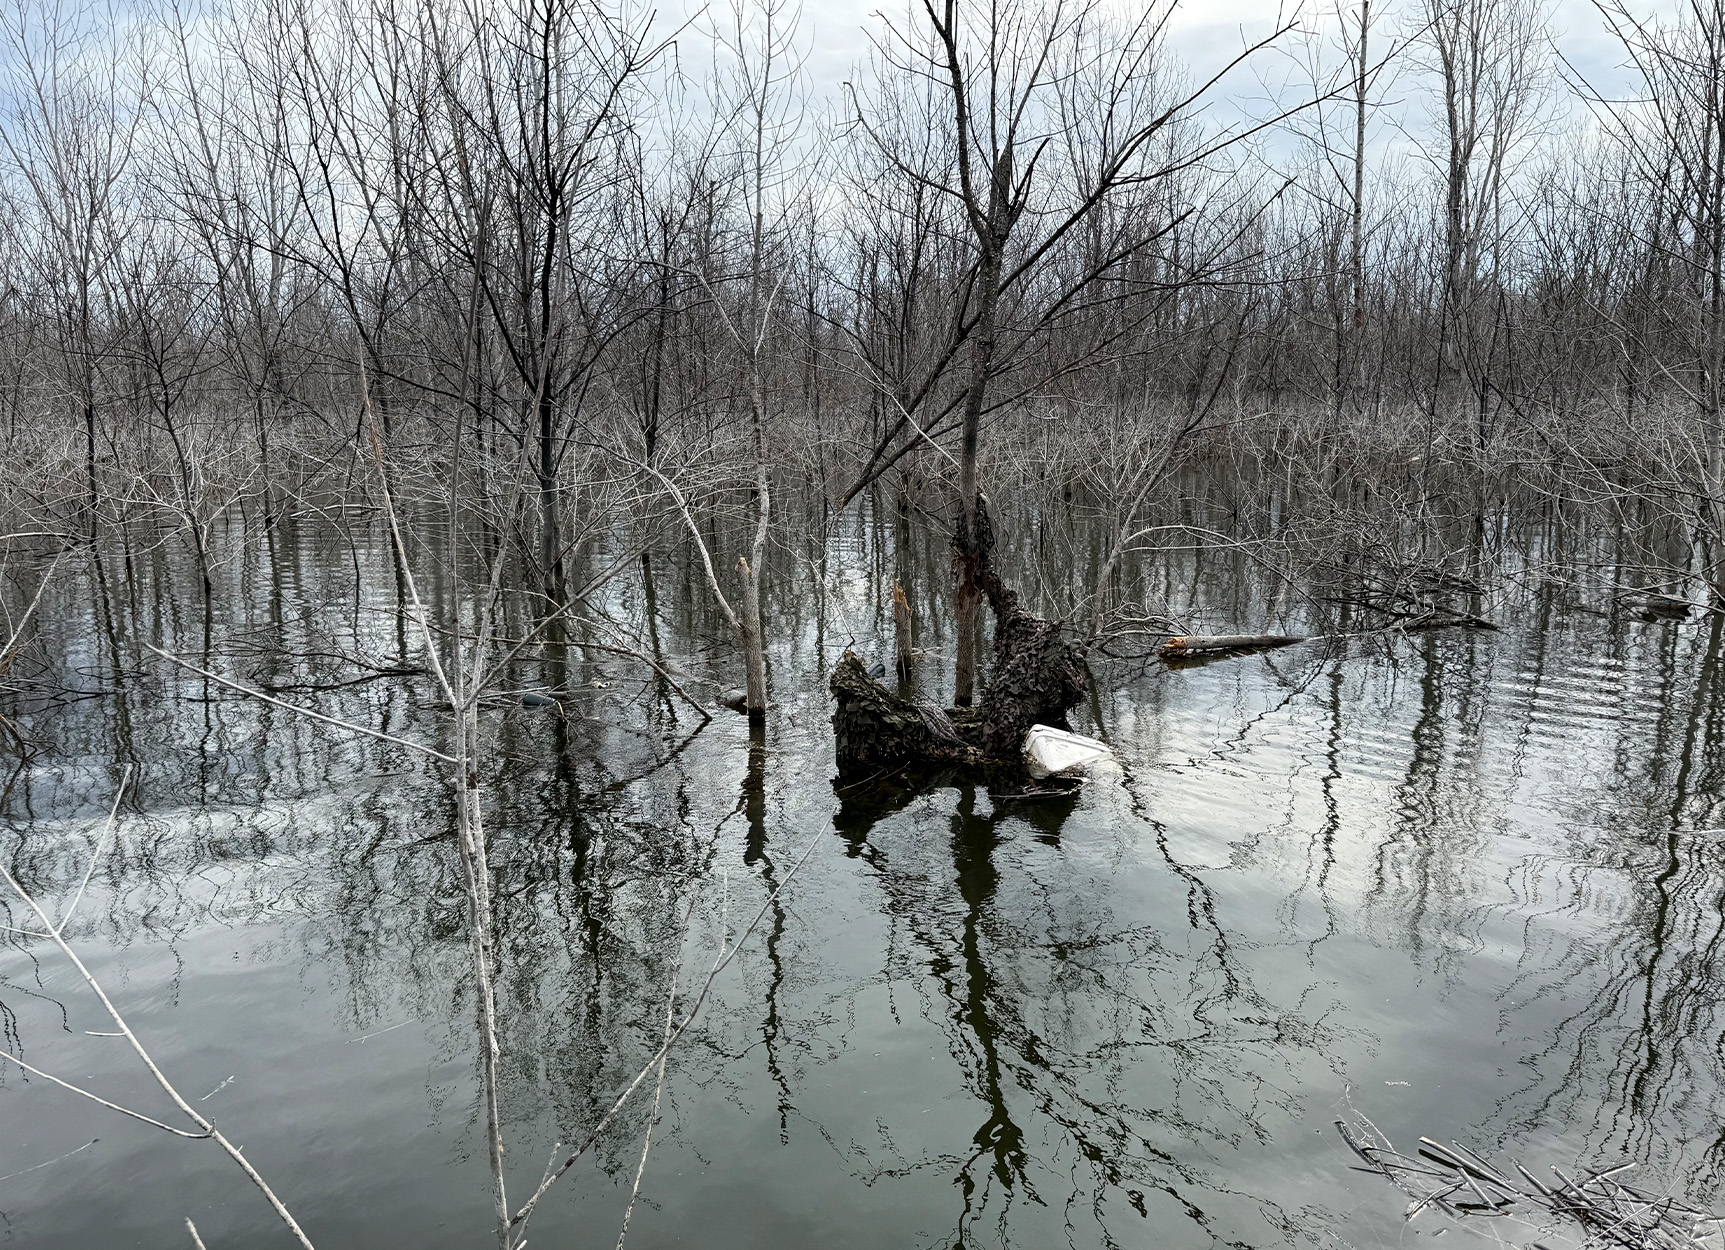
(968, 598)
(901, 632)
(1357, 246)
(550, 526)
(475, 866)
(752, 637)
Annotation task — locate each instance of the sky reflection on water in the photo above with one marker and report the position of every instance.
(1465, 883)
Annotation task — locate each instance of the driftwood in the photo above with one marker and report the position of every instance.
(1600, 1206)
(1200, 648)
(1193, 644)
(1656, 602)
(875, 728)
(1036, 678)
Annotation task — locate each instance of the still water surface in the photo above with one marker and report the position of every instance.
(1465, 883)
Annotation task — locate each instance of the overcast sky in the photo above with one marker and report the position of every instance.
(1206, 33)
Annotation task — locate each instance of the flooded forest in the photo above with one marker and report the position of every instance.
(533, 540)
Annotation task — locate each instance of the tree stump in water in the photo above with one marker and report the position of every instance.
(901, 631)
(1035, 679)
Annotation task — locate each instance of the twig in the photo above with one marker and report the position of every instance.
(648, 660)
(726, 954)
(10, 649)
(190, 1112)
(112, 1106)
(659, 1084)
(300, 711)
(567, 610)
(95, 855)
(51, 1162)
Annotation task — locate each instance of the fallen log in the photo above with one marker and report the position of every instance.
(1658, 603)
(1193, 644)
(1191, 649)
(873, 728)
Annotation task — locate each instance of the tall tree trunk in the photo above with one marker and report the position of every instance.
(656, 351)
(968, 598)
(550, 526)
(751, 635)
(1357, 233)
(90, 455)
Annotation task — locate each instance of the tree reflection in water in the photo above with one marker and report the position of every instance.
(1472, 882)
(1096, 1050)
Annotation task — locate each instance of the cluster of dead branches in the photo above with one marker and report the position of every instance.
(1594, 1209)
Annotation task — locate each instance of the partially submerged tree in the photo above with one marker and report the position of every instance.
(1673, 135)
(760, 172)
(71, 89)
(1061, 143)
(1037, 678)
(1489, 57)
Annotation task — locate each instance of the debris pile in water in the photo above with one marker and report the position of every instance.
(1600, 1207)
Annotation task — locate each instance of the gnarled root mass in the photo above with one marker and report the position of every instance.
(1036, 678)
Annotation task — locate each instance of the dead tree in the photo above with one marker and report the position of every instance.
(1674, 138)
(1061, 147)
(1037, 677)
(69, 131)
(1490, 71)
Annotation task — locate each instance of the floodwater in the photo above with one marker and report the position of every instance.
(1468, 884)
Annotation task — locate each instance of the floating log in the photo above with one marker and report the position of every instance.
(1668, 605)
(1193, 644)
(1658, 603)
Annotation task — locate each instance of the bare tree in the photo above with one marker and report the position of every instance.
(1056, 130)
(1674, 138)
(1492, 68)
(72, 94)
(759, 99)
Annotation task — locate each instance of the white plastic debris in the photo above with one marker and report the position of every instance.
(1055, 753)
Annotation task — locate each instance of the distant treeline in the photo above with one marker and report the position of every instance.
(637, 271)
